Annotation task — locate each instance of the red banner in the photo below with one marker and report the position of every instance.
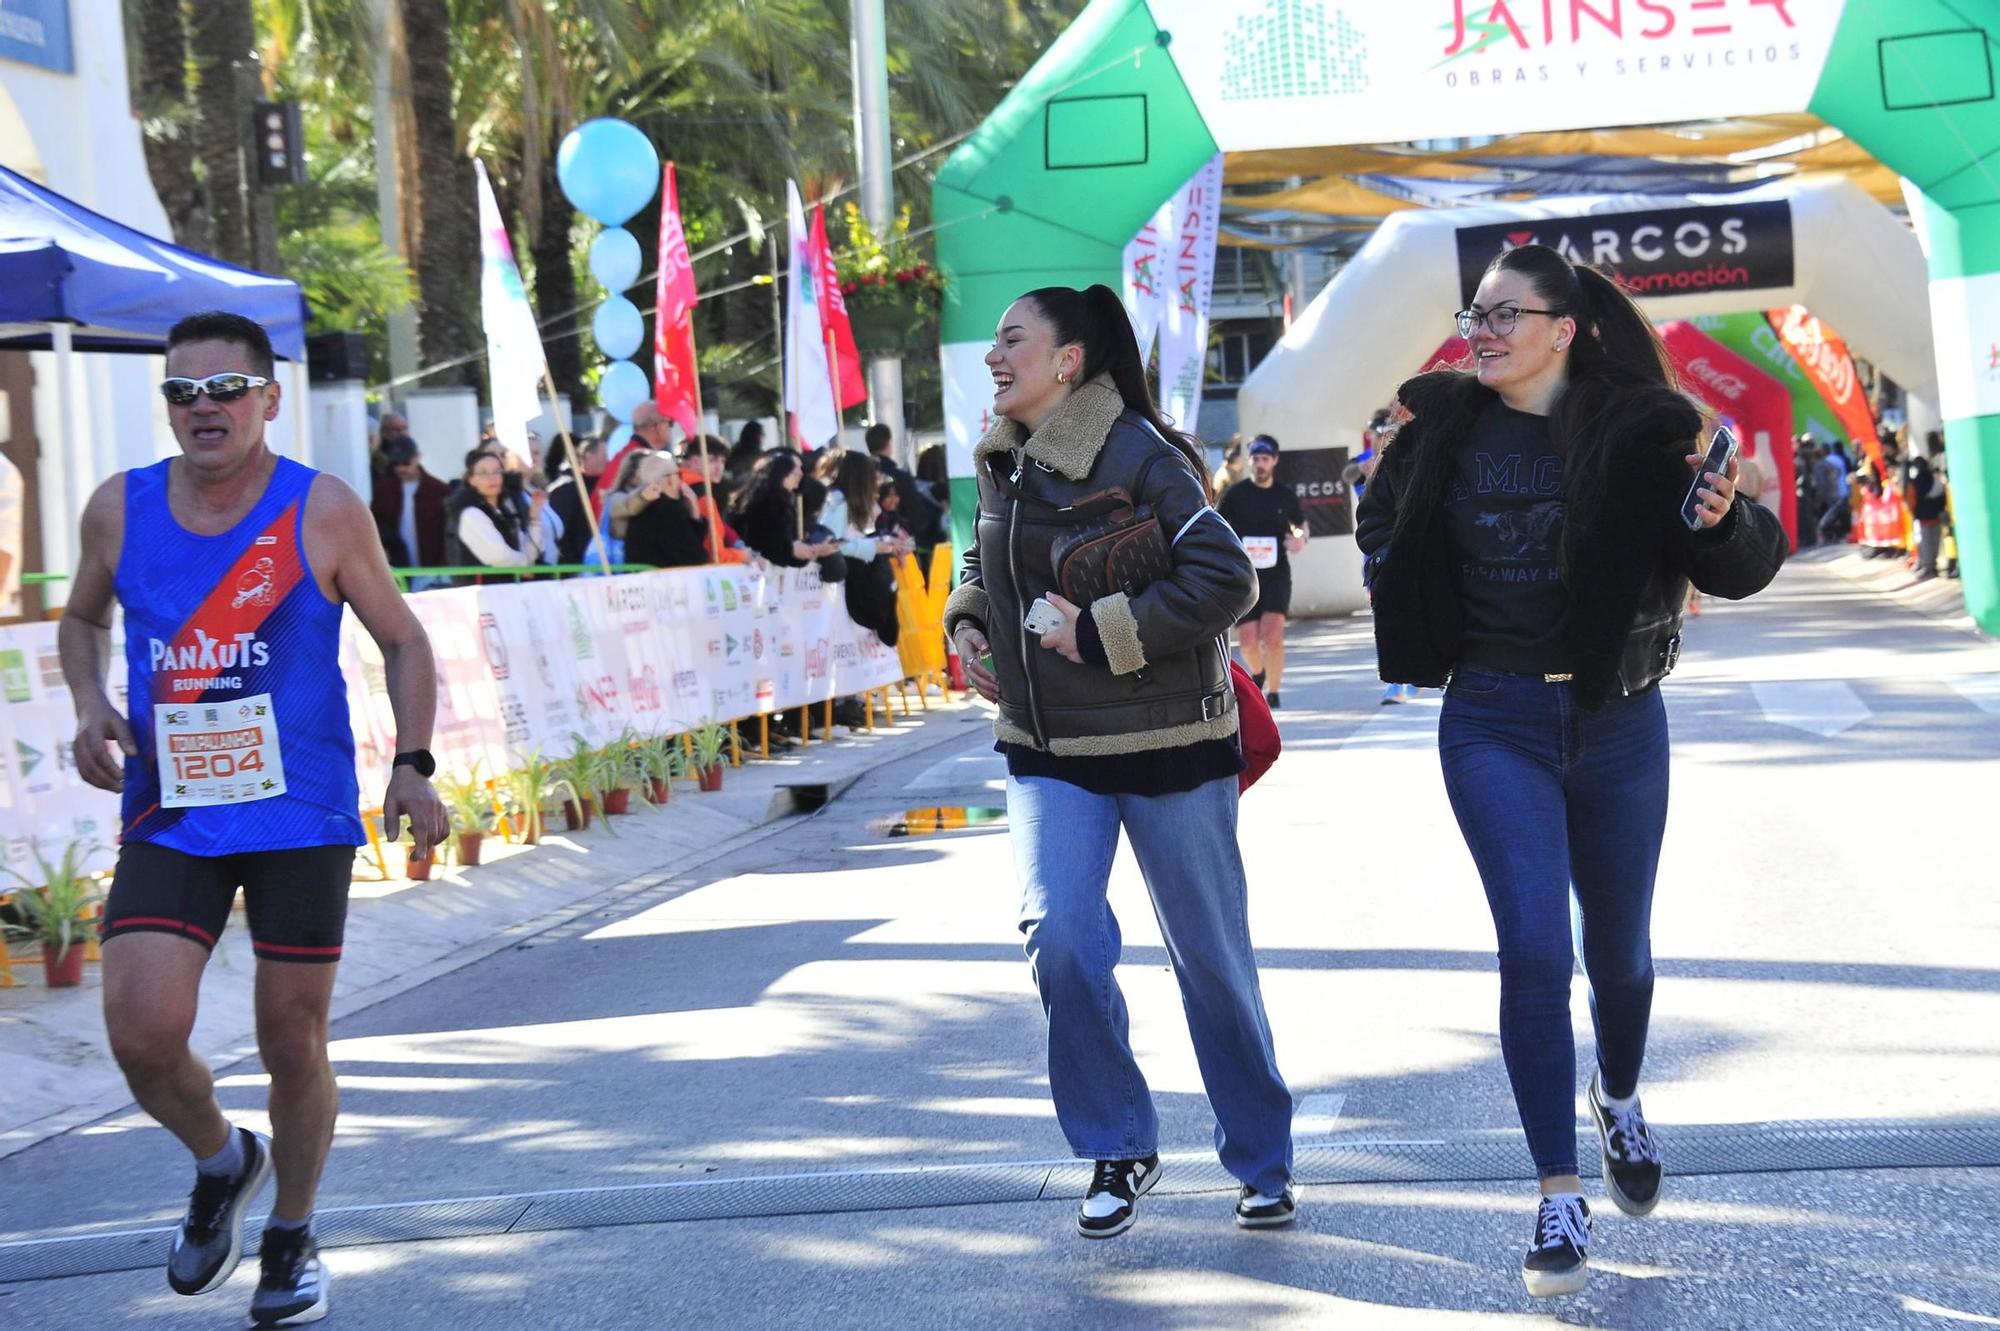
(675, 392)
(1824, 356)
(833, 313)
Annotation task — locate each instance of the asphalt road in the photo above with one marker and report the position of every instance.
(841, 999)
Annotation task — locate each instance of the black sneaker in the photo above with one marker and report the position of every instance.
(1109, 1207)
(1559, 1263)
(1272, 700)
(293, 1288)
(209, 1242)
(1258, 679)
(1257, 1210)
(1632, 1172)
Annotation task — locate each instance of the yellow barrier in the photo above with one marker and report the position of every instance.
(920, 615)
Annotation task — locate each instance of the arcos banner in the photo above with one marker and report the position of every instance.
(1657, 252)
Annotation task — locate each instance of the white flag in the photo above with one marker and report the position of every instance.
(1188, 285)
(514, 357)
(808, 376)
(1144, 276)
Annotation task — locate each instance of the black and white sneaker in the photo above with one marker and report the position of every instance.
(1258, 1210)
(209, 1242)
(293, 1288)
(1632, 1170)
(1559, 1263)
(1109, 1208)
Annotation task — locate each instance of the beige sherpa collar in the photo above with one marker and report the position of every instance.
(1070, 438)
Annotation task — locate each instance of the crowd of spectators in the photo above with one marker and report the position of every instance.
(1895, 504)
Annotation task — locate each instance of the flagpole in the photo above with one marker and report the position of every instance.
(576, 469)
(701, 443)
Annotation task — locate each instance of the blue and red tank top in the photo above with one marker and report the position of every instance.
(236, 698)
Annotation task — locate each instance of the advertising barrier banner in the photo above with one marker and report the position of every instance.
(1657, 252)
(520, 667)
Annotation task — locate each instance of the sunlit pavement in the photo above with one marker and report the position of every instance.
(846, 997)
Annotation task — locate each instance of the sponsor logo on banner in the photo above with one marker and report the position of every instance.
(1730, 386)
(579, 631)
(496, 646)
(1316, 476)
(1297, 73)
(1658, 252)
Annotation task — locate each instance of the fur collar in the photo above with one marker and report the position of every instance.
(1070, 439)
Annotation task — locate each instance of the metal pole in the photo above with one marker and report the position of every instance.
(778, 324)
(870, 55)
(388, 204)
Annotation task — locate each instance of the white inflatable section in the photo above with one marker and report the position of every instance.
(1854, 264)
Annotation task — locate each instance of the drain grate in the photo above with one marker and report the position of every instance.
(1751, 1148)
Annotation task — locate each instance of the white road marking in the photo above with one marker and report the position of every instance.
(1982, 691)
(1317, 1116)
(1822, 707)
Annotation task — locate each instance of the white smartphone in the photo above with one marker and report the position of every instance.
(1721, 452)
(1042, 618)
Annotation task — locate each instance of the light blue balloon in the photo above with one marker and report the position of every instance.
(623, 387)
(616, 440)
(614, 259)
(608, 169)
(618, 328)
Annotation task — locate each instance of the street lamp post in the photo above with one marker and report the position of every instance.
(878, 190)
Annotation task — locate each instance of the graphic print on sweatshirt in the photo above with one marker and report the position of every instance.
(1504, 519)
(235, 693)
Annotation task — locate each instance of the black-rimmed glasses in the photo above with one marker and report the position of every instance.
(1500, 319)
(225, 387)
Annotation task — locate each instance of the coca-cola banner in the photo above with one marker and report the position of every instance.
(1658, 252)
(1751, 403)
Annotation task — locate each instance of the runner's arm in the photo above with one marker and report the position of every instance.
(361, 578)
(83, 638)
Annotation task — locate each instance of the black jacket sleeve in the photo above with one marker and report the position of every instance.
(1738, 556)
(1212, 584)
(1375, 518)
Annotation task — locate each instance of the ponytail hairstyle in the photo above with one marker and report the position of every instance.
(1095, 319)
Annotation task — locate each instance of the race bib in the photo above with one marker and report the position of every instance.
(218, 753)
(1263, 551)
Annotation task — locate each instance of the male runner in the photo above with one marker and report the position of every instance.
(1272, 524)
(231, 565)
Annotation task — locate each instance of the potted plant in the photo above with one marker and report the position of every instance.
(709, 741)
(578, 773)
(659, 764)
(892, 294)
(618, 772)
(471, 813)
(535, 783)
(52, 911)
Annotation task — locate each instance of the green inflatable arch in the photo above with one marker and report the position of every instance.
(1137, 94)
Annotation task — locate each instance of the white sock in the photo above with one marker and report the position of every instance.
(283, 1226)
(1610, 1101)
(227, 1162)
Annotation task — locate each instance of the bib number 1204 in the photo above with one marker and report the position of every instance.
(218, 753)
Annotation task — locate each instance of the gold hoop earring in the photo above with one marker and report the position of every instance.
(1061, 378)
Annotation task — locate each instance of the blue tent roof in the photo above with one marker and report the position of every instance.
(62, 263)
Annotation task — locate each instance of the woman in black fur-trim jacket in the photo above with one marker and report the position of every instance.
(1524, 543)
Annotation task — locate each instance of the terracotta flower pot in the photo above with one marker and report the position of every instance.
(574, 818)
(710, 777)
(64, 974)
(531, 829)
(419, 870)
(618, 801)
(662, 790)
(468, 847)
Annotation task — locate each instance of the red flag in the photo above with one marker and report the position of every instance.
(673, 316)
(853, 385)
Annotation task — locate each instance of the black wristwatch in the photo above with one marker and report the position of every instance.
(418, 758)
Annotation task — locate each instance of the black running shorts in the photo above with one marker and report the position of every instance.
(1274, 593)
(296, 899)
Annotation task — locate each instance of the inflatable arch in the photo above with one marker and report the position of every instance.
(1137, 94)
(1377, 321)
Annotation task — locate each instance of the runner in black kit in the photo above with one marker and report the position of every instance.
(232, 566)
(1272, 524)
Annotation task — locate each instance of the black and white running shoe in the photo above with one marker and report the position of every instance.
(1632, 1170)
(209, 1242)
(1257, 1210)
(1109, 1208)
(292, 1291)
(1559, 1263)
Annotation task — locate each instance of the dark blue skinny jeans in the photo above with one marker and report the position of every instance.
(1553, 799)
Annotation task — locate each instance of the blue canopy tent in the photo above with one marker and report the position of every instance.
(117, 289)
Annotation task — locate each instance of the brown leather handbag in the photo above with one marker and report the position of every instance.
(1124, 550)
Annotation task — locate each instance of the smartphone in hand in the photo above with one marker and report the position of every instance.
(1042, 618)
(1722, 451)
